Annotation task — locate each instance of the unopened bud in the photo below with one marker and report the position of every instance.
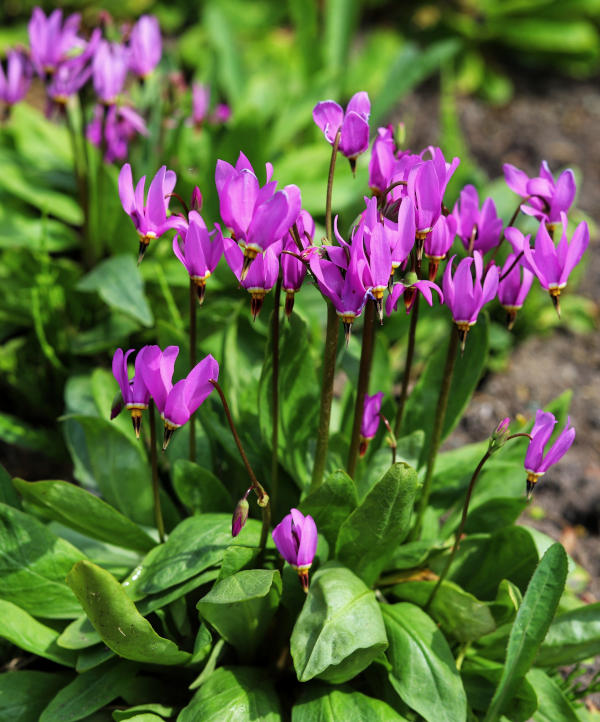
(500, 435)
(240, 516)
(196, 201)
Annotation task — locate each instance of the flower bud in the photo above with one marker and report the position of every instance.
(240, 516)
(196, 202)
(500, 435)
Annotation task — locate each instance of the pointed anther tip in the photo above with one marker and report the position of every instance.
(142, 251)
(167, 437)
(352, 162)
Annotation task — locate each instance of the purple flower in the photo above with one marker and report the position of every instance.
(293, 271)
(478, 229)
(409, 292)
(499, 436)
(110, 69)
(134, 392)
(383, 160)
(513, 288)
(426, 193)
(439, 242)
(536, 462)
(50, 41)
(296, 540)
(545, 198)
(176, 403)
(15, 84)
(240, 516)
(262, 275)
(121, 124)
(149, 215)
(199, 250)
(405, 233)
(370, 420)
(354, 124)
(221, 114)
(200, 102)
(70, 75)
(464, 297)
(145, 46)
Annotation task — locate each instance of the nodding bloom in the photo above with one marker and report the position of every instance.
(149, 215)
(121, 124)
(200, 102)
(479, 230)
(261, 276)
(199, 250)
(423, 187)
(293, 271)
(405, 233)
(51, 41)
(110, 70)
(466, 297)
(296, 540)
(70, 75)
(370, 420)
(240, 515)
(258, 217)
(408, 290)
(513, 287)
(499, 436)
(15, 83)
(176, 403)
(438, 243)
(536, 461)
(353, 124)
(545, 198)
(383, 160)
(145, 46)
(134, 392)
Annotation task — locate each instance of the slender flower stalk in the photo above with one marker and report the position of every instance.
(193, 327)
(410, 352)
(275, 395)
(160, 525)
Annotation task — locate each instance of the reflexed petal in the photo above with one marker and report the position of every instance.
(308, 543)
(541, 433)
(360, 103)
(328, 115)
(426, 288)
(155, 208)
(564, 194)
(223, 173)
(355, 135)
(545, 258)
(516, 179)
(284, 540)
(577, 248)
(198, 386)
(268, 220)
(241, 194)
(119, 369)
(559, 448)
(175, 409)
(391, 302)
(126, 193)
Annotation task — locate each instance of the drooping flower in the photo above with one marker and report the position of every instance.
(536, 461)
(296, 540)
(200, 102)
(370, 420)
(499, 436)
(513, 287)
(145, 46)
(353, 124)
(479, 229)
(51, 41)
(408, 290)
(293, 271)
(466, 297)
(261, 276)
(149, 215)
(438, 243)
(134, 392)
(199, 250)
(15, 83)
(383, 160)
(110, 70)
(423, 187)
(121, 124)
(70, 75)
(240, 515)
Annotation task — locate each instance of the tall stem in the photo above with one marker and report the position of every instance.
(438, 425)
(160, 525)
(275, 396)
(410, 352)
(193, 304)
(364, 371)
(334, 151)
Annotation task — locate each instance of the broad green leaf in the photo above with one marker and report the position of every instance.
(24, 694)
(321, 703)
(340, 630)
(84, 512)
(27, 633)
(119, 284)
(549, 35)
(331, 503)
(422, 402)
(33, 566)
(236, 558)
(235, 694)
(144, 712)
(8, 495)
(115, 617)
(553, 704)
(87, 693)
(199, 489)
(423, 672)
(368, 536)
(241, 606)
(20, 231)
(92, 657)
(458, 613)
(572, 637)
(531, 625)
(17, 432)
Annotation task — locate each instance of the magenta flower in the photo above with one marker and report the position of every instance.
(370, 420)
(262, 275)
(121, 125)
(200, 102)
(51, 41)
(149, 215)
(383, 160)
(176, 403)
(240, 515)
(426, 193)
(293, 271)
(408, 291)
(222, 113)
(439, 242)
(353, 124)
(545, 198)
(70, 75)
(513, 287)
(145, 46)
(405, 234)
(199, 250)
(479, 230)
(134, 392)
(110, 70)
(536, 462)
(15, 84)
(296, 540)
(464, 297)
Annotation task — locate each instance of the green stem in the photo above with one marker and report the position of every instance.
(80, 168)
(410, 352)
(364, 371)
(275, 396)
(193, 325)
(334, 151)
(154, 462)
(438, 425)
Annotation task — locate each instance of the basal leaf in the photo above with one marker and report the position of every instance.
(331, 503)
(24, 694)
(199, 489)
(321, 703)
(572, 637)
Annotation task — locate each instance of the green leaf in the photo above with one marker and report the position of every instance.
(84, 512)
(423, 672)
(241, 606)
(340, 630)
(422, 402)
(144, 712)
(33, 566)
(553, 704)
(27, 633)
(24, 694)
(92, 657)
(458, 613)
(331, 503)
(119, 284)
(320, 703)
(368, 536)
(115, 617)
(531, 625)
(572, 637)
(236, 558)
(199, 489)
(341, 17)
(227, 49)
(87, 693)
(8, 495)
